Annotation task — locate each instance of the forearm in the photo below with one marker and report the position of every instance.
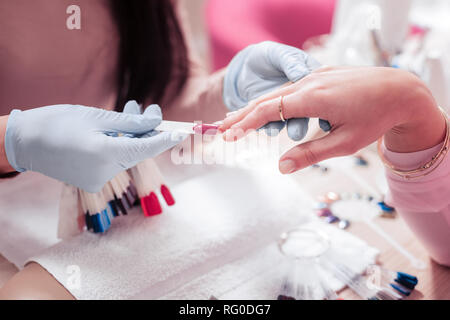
(5, 167)
(423, 202)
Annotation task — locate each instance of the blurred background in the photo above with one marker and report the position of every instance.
(409, 34)
(221, 28)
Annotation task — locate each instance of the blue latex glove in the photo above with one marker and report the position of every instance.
(261, 68)
(132, 107)
(79, 145)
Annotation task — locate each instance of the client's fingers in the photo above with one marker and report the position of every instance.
(238, 115)
(311, 152)
(295, 105)
(288, 88)
(235, 116)
(256, 118)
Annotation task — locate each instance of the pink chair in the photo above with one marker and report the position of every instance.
(234, 24)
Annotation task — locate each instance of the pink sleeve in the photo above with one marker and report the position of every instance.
(424, 202)
(201, 98)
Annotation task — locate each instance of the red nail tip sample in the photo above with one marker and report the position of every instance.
(167, 195)
(151, 205)
(155, 206)
(144, 207)
(209, 129)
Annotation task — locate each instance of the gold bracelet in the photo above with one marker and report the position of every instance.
(435, 160)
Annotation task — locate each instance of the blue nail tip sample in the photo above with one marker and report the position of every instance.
(406, 283)
(403, 275)
(383, 206)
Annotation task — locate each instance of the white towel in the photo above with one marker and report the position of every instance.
(220, 217)
(223, 221)
(28, 215)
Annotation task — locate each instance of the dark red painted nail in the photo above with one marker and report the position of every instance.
(209, 129)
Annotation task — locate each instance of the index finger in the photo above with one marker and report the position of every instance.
(294, 105)
(240, 114)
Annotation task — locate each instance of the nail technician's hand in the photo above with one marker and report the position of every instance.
(362, 104)
(79, 145)
(261, 68)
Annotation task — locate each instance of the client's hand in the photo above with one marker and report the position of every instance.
(361, 104)
(261, 68)
(81, 145)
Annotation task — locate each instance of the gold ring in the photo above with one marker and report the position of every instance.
(280, 108)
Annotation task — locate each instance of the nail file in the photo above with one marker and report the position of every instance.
(188, 127)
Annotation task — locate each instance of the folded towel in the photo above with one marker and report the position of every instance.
(28, 216)
(219, 217)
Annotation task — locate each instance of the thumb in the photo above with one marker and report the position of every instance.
(312, 152)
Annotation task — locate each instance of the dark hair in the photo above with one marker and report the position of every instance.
(152, 50)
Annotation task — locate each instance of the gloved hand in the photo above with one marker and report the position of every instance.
(261, 68)
(80, 145)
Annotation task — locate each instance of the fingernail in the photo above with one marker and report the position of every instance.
(287, 166)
